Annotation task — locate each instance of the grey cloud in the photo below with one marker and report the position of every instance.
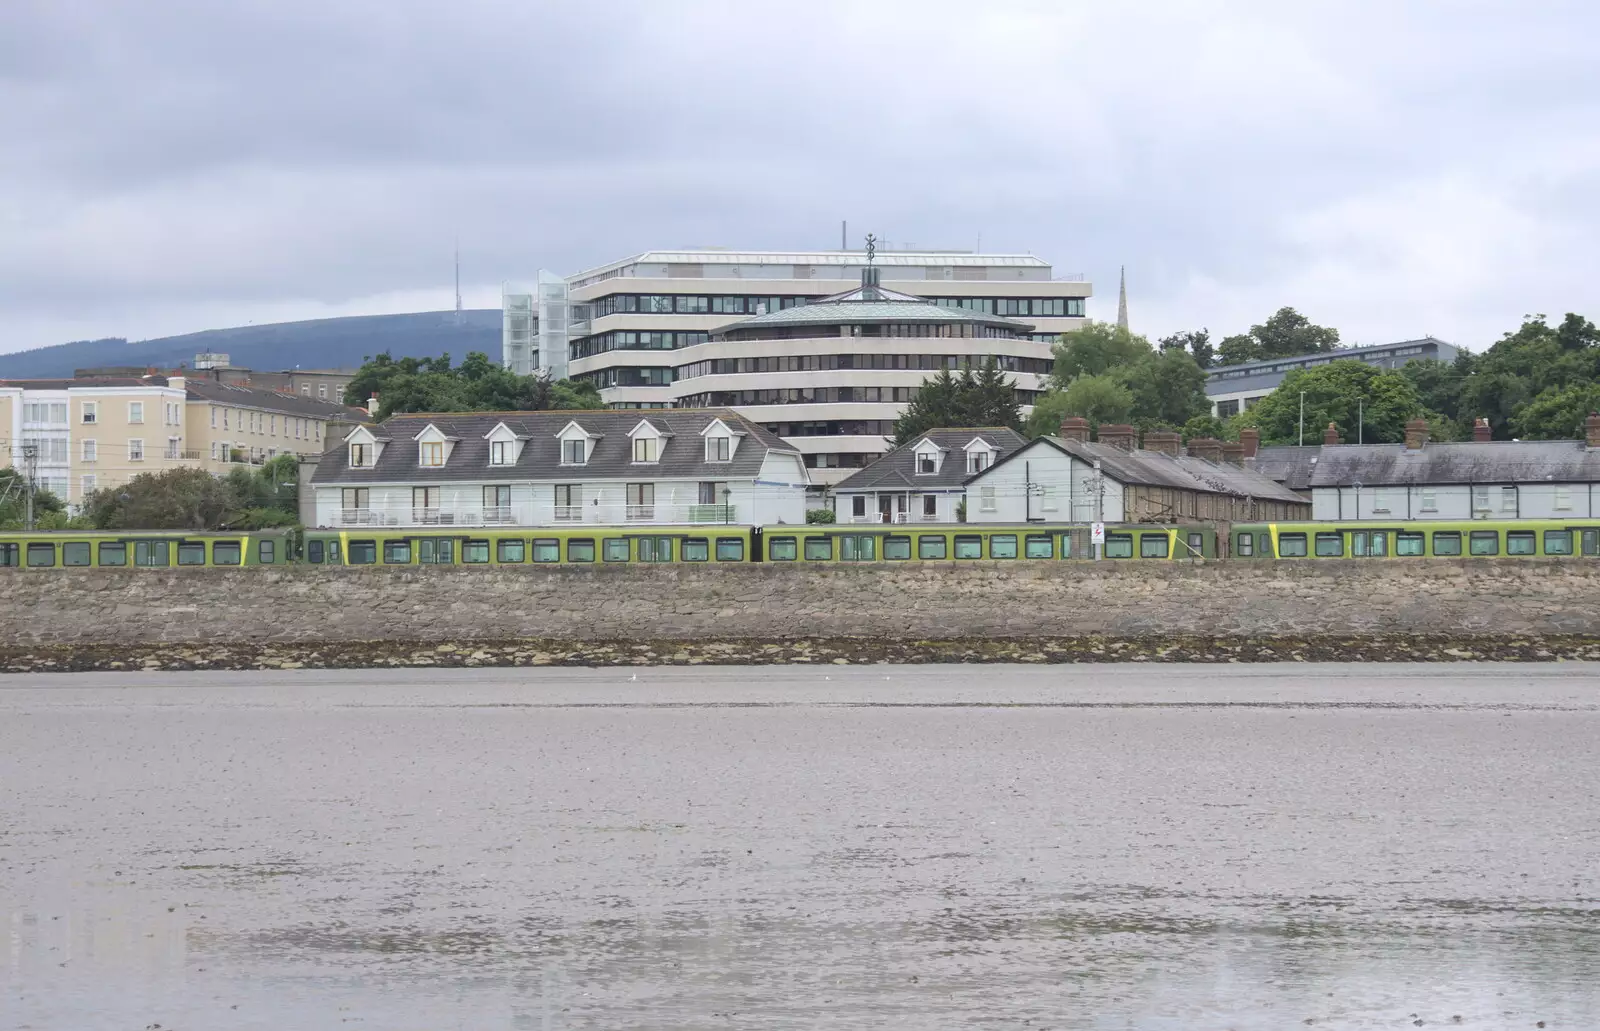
(177, 161)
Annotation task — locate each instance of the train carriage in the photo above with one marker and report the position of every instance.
(150, 549)
(579, 545)
(1483, 538)
(973, 541)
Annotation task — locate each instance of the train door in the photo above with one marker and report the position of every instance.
(1369, 544)
(1590, 542)
(436, 551)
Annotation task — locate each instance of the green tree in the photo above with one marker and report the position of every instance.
(977, 397)
(48, 509)
(1285, 334)
(1556, 414)
(1197, 342)
(1168, 389)
(1524, 367)
(1049, 408)
(1100, 399)
(1094, 350)
(177, 499)
(1206, 425)
(1439, 384)
(1385, 399)
(476, 385)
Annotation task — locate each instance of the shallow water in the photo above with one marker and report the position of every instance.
(781, 847)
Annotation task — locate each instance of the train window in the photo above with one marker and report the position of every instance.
(1246, 546)
(548, 549)
(333, 553)
(581, 549)
(819, 549)
(1292, 545)
(75, 553)
(896, 548)
(1152, 545)
(655, 549)
(858, 549)
(191, 553)
(930, 546)
(8, 554)
(432, 552)
(1330, 545)
(696, 549)
(1558, 542)
(781, 549)
(267, 552)
(1039, 545)
(1003, 545)
(730, 549)
(225, 553)
(397, 552)
(968, 546)
(475, 552)
(1197, 545)
(1484, 542)
(1446, 543)
(1408, 542)
(1066, 545)
(363, 553)
(1119, 545)
(150, 553)
(41, 555)
(616, 549)
(516, 550)
(1520, 542)
(314, 552)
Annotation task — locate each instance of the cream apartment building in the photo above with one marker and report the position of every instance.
(100, 432)
(644, 330)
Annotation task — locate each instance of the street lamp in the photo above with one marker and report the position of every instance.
(727, 508)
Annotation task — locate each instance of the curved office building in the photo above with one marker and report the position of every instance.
(653, 331)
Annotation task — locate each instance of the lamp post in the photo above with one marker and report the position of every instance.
(1302, 418)
(727, 509)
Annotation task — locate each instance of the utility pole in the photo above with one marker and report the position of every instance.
(1361, 419)
(30, 468)
(1302, 418)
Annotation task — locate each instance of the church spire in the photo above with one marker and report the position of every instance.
(1122, 301)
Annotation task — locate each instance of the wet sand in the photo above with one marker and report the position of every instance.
(777, 847)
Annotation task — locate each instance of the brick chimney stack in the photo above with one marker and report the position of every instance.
(1233, 454)
(1591, 430)
(1118, 435)
(1208, 448)
(1416, 434)
(1075, 427)
(1251, 439)
(1331, 434)
(1164, 441)
(1481, 432)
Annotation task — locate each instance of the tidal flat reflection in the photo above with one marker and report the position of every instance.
(900, 847)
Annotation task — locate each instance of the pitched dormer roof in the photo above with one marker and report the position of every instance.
(896, 471)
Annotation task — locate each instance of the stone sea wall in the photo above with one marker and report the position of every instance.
(909, 602)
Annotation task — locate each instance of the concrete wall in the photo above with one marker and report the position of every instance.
(904, 602)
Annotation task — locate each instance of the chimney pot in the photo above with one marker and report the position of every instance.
(1233, 454)
(372, 406)
(1481, 431)
(1331, 434)
(1208, 448)
(1416, 434)
(1251, 439)
(1591, 430)
(1118, 434)
(1075, 427)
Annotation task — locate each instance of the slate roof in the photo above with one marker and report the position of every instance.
(897, 470)
(1159, 469)
(68, 384)
(272, 401)
(682, 454)
(869, 304)
(1495, 461)
(1288, 465)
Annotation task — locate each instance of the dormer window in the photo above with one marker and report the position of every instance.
(646, 449)
(502, 452)
(719, 449)
(927, 464)
(572, 452)
(977, 461)
(360, 456)
(432, 452)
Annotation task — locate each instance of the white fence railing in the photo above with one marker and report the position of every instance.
(532, 515)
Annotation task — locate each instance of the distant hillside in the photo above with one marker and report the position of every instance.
(318, 344)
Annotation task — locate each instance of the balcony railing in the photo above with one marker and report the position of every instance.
(711, 513)
(181, 455)
(536, 514)
(432, 517)
(641, 513)
(499, 516)
(569, 513)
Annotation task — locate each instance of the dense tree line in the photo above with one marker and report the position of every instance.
(977, 397)
(1106, 374)
(476, 385)
(192, 499)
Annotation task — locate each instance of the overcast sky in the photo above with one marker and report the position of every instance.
(1390, 169)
